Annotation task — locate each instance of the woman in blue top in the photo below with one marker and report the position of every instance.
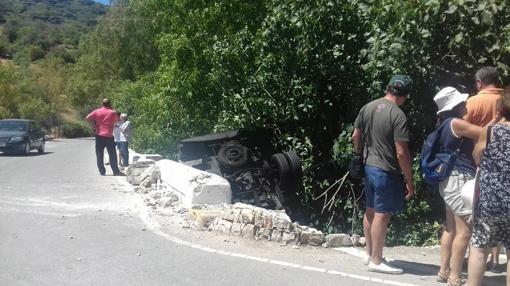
(458, 136)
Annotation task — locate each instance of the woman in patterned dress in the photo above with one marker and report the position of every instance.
(492, 207)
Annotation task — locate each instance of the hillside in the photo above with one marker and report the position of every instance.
(35, 29)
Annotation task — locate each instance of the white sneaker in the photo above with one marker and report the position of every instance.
(384, 268)
(367, 259)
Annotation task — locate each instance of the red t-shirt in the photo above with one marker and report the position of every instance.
(104, 119)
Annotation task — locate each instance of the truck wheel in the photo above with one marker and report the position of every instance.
(233, 155)
(294, 164)
(284, 173)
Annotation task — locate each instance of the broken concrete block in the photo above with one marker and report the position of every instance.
(316, 237)
(338, 240)
(304, 236)
(362, 241)
(205, 216)
(355, 239)
(289, 237)
(195, 186)
(136, 169)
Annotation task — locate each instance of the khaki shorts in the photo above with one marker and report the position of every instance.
(450, 191)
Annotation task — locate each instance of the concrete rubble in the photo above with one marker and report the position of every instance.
(240, 220)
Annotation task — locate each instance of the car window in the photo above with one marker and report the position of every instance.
(7, 125)
(32, 127)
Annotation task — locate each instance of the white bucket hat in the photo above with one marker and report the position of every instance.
(449, 97)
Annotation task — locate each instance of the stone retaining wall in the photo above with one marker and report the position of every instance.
(256, 223)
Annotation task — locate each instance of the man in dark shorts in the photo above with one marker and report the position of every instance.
(381, 133)
(103, 120)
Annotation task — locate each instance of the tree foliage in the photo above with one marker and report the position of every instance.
(31, 30)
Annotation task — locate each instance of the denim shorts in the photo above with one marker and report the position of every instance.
(384, 191)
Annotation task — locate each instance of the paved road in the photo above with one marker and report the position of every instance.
(63, 224)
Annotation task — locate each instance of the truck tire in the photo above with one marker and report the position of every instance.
(233, 155)
(294, 164)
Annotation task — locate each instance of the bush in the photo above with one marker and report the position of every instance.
(74, 130)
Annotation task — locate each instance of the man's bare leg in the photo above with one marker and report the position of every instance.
(367, 228)
(378, 233)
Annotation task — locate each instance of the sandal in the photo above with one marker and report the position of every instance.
(442, 277)
(457, 282)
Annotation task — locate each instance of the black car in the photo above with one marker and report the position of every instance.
(256, 171)
(20, 136)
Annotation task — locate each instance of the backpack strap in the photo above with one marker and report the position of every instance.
(447, 124)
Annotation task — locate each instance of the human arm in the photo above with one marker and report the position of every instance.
(91, 116)
(357, 137)
(125, 127)
(480, 147)
(469, 110)
(356, 141)
(462, 128)
(404, 160)
(91, 119)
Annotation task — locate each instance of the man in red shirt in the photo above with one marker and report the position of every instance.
(103, 121)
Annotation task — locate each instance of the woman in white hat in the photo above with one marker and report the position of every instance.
(459, 137)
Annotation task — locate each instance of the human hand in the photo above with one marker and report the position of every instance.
(409, 191)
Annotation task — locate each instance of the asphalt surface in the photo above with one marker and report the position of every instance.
(63, 224)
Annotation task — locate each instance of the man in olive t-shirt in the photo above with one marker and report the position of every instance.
(381, 134)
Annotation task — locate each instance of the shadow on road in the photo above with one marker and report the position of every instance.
(495, 280)
(415, 268)
(32, 154)
(422, 269)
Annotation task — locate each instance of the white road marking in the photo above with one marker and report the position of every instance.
(154, 226)
(44, 202)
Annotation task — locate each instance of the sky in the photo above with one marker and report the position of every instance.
(103, 1)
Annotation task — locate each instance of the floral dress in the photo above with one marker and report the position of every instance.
(492, 212)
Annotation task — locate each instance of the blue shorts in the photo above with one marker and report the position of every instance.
(384, 191)
(117, 143)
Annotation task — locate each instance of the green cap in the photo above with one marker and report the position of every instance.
(400, 85)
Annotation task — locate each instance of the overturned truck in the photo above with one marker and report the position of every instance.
(257, 173)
